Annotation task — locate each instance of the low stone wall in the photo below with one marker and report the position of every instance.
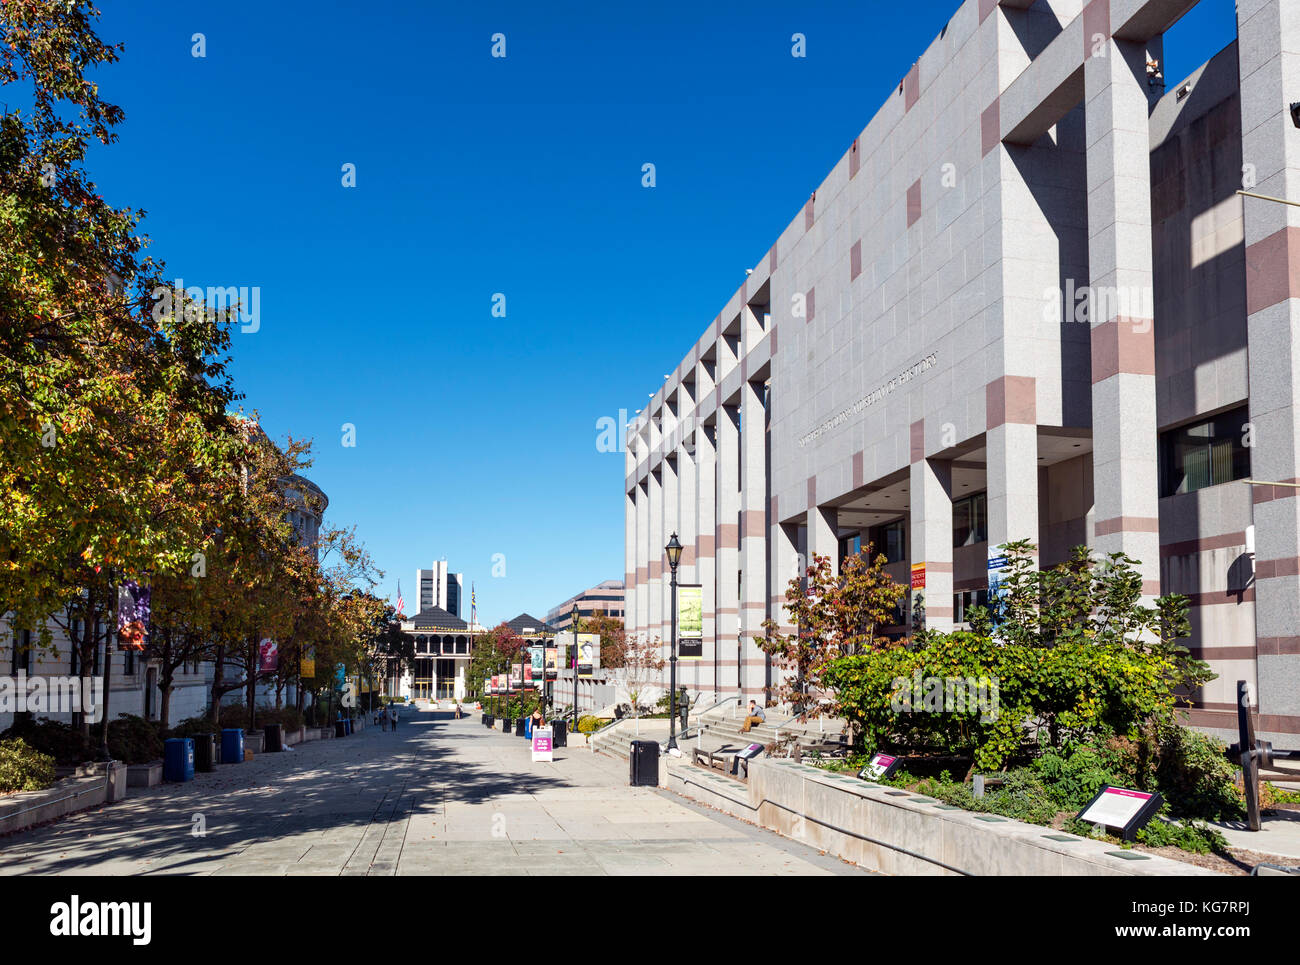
(144, 775)
(22, 810)
(898, 832)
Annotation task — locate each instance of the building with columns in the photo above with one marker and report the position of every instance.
(1026, 303)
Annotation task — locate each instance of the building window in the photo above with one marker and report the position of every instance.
(849, 546)
(963, 602)
(1204, 453)
(128, 663)
(891, 540)
(970, 520)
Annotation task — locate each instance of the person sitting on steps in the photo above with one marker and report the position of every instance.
(756, 717)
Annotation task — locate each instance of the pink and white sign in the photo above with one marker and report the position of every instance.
(542, 744)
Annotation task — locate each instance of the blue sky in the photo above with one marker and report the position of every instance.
(476, 435)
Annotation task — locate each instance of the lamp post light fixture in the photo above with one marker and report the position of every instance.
(674, 551)
(573, 628)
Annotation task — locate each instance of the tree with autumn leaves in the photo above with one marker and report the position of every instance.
(111, 403)
(121, 458)
(832, 616)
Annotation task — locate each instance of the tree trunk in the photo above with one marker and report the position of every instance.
(218, 670)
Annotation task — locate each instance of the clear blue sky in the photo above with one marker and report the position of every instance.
(477, 435)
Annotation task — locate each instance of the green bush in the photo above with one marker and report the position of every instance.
(60, 741)
(193, 727)
(1023, 796)
(1196, 837)
(1074, 693)
(135, 740)
(287, 717)
(588, 724)
(1073, 776)
(1195, 776)
(23, 768)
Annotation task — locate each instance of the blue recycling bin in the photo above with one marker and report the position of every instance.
(348, 725)
(232, 745)
(178, 759)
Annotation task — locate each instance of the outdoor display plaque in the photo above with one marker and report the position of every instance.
(690, 622)
(552, 662)
(878, 768)
(750, 752)
(1124, 810)
(918, 596)
(542, 744)
(998, 567)
(588, 654)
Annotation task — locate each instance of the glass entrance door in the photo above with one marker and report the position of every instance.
(446, 679)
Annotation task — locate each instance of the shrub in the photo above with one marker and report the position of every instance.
(1023, 796)
(1195, 775)
(60, 741)
(1073, 693)
(135, 740)
(588, 724)
(1073, 776)
(23, 768)
(193, 727)
(287, 717)
(1198, 838)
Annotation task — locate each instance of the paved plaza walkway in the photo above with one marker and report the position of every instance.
(439, 796)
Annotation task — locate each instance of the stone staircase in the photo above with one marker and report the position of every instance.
(724, 724)
(616, 741)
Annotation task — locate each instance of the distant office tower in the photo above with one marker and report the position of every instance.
(606, 597)
(437, 587)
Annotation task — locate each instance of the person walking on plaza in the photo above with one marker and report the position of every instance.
(392, 710)
(756, 717)
(383, 718)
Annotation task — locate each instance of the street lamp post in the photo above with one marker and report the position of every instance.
(573, 628)
(674, 551)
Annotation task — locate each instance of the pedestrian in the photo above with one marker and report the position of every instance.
(392, 709)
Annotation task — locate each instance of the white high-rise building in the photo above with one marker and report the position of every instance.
(437, 587)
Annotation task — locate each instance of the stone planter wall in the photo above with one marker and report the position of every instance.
(86, 790)
(144, 775)
(898, 832)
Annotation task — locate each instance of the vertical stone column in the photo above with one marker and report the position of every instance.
(728, 546)
(671, 525)
(706, 495)
(642, 623)
(655, 554)
(1011, 461)
(1269, 36)
(786, 564)
(753, 536)
(823, 535)
(688, 572)
(930, 503)
(629, 560)
(1126, 511)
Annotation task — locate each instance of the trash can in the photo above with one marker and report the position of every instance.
(643, 764)
(178, 759)
(489, 720)
(340, 729)
(232, 745)
(274, 738)
(521, 726)
(205, 752)
(561, 736)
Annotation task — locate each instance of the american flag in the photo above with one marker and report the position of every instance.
(401, 604)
